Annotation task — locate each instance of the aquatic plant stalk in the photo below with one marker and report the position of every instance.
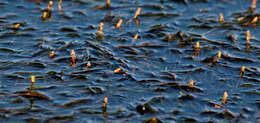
(33, 79)
(253, 5)
(100, 32)
(197, 45)
(191, 83)
(47, 12)
(72, 58)
(242, 71)
(104, 105)
(50, 4)
(248, 36)
(119, 23)
(17, 26)
(60, 4)
(225, 98)
(108, 3)
(219, 55)
(52, 54)
(118, 70)
(88, 64)
(221, 18)
(137, 12)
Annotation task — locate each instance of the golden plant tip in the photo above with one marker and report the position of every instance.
(60, 4)
(218, 106)
(52, 54)
(136, 36)
(221, 18)
(44, 15)
(105, 101)
(104, 105)
(101, 27)
(248, 36)
(118, 70)
(197, 45)
(72, 58)
(153, 120)
(255, 20)
(253, 4)
(191, 83)
(242, 71)
(108, 2)
(17, 25)
(143, 108)
(72, 53)
(50, 4)
(88, 64)
(119, 23)
(137, 12)
(240, 18)
(219, 54)
(33, 79)
(225, 98)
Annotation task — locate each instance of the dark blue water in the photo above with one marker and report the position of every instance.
(156, 67)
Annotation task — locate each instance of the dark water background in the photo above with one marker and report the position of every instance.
(156, 67)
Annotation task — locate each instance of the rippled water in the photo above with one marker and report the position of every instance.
(155, 68)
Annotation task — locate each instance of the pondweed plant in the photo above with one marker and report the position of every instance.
(100, 33)
(137, 12)
(72, 58)
(104, 105)
(119, 23)
(221, 18)
(60, 4)
(108, 4)
(225, 98)
(46, 14)
(242, 71)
